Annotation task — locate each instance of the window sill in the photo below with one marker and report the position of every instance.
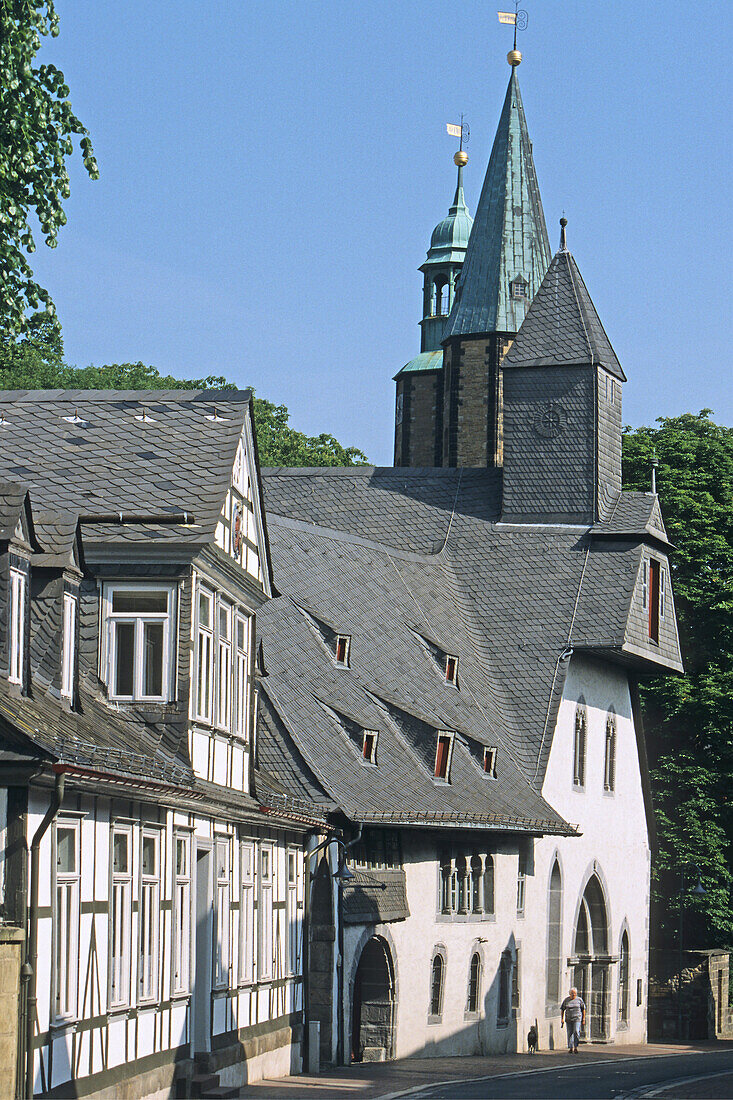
(465, 918)
(182, 995)
(70, 1023)
(115, 1011)
(471, 1016)
(432, 1020)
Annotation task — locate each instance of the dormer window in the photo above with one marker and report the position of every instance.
(139, 641)
(443, 753)
(490, 762)
(68, 647)
(369, 746)
(343, 648)
(17, 626)
(518, 289)
(451, 670)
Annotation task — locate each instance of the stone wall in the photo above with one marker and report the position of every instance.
(12, 941)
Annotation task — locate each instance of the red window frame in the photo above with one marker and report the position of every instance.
(442, 756)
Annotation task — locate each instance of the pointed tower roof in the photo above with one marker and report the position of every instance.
(509, 237)
(562, 326)
(450, 237)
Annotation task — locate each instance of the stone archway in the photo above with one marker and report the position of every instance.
(372, 1011)
(592, 961)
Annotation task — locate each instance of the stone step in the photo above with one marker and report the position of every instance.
(204, 1084)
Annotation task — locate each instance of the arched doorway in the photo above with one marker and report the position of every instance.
(591, 964)
(372, 1010)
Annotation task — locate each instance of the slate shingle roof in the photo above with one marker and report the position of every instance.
(13, 503)
(58, 533)
(88, 452)
(411, 564)
(562, 327)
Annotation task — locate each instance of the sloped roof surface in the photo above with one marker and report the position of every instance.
(12, 503)
(412, 564)
(58, 535)
(562, 326)
(509, 236)
(135, 451)
(634, 514)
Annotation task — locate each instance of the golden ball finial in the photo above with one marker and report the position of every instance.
(514, 58)
(460, 159)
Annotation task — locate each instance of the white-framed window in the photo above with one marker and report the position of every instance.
(121, 916)
(490, 762)
(182, 913)
(68, 650)
(294, 911)
(224, 613)
(222, 914)
(17, 626)
(369, 746)
(645, 583)
(140, 640)
(580, 735)
(247, 913)
(242, 650)
(204, 654)
(451, 669)
(265, 955)
(67, 880)
(149, 918)
(521, 883)
(342, 649)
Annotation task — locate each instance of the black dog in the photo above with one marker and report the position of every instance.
(532, 1040)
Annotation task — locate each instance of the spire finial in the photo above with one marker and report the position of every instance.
(563, 238)
(655, 464)
(518, 19)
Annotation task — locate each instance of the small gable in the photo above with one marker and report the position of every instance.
(241, 531)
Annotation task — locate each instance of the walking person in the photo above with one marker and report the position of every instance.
(572, 1010)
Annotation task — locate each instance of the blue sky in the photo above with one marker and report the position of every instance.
(271, 173)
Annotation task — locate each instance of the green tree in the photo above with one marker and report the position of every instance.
(35, 361)
(689, 719)
(37, 127)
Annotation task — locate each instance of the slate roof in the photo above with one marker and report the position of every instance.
(634, 514)
(13, 503)
(136, 451)
(414, 565)
(509, 236)
(59, 536)
(376, 897)
(562, 326)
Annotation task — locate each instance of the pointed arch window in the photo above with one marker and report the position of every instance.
(609, 768)
(624, 961)
(474, 983)
(580, 737)
(437, 982)
(554, 936)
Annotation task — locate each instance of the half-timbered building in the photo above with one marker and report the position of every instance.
(164, 901)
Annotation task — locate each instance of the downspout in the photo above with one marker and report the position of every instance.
(31, 959)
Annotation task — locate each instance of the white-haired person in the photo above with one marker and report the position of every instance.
(572, 1011)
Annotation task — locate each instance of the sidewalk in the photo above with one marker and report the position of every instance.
(382, 1079)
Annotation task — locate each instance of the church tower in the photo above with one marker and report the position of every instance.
(449, 410)
(562, 407)
(419, 383)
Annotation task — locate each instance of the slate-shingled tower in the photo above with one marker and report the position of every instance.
(507, 256)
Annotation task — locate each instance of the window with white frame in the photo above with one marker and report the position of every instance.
(68, 647)
(140, 641)
(265, 915)
(17, 626)
(67, 879)
(204, 654)
(579, 745)
(182, 913)
(222, 915)
(294, 912)
(242, 636)
(521, 883)
(224, 666)
(149, 917)
(121, 916)
(247, 912)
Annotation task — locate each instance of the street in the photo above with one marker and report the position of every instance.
(599, 1079)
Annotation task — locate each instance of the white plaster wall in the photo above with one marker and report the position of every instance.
(614, 840)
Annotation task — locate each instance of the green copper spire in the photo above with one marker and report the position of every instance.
(508, 251)
(443, 264)
(449, 241)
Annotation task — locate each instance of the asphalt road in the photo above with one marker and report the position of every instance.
(595, 1079)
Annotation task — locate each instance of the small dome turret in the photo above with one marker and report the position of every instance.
(450, 237)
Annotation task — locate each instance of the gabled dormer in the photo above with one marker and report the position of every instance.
(56, 576)
(17, 543)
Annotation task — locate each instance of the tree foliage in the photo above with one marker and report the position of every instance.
(35, 361)
(689, 719)
(37, 127)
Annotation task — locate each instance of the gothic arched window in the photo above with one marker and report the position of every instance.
(554, 936)
(609, 769)
(474, 983)
(580, 737)
(437, 981)
(624, 961)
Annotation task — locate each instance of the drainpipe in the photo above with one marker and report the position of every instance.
(31, 959)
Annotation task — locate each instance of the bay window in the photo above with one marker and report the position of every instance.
(139, 639)
(242, 674)
(68, 650)
(222, 659)
(204, 654)
(16, 660)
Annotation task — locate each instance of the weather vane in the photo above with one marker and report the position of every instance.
(463, 132)
(517, 19)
